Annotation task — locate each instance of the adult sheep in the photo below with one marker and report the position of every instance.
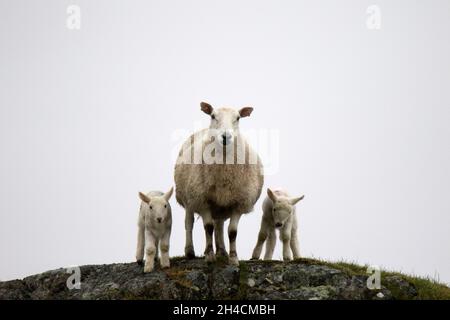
(219, 176)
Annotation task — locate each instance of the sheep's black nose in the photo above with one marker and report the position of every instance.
(225, 138)
(278, 224)
(159, 220)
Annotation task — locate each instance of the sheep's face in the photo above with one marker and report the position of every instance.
(282, 207)
(281, 211)
(159, 208)
(224, 124)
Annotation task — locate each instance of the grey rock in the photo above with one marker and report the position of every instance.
(194, 279)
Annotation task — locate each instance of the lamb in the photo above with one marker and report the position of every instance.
(278, 213)
(222, 183)
(154, 227)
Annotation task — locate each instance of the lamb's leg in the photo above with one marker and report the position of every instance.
(140, 244)
(285, 237)
(218, 237)
(189, 225)
(262, 236)
(295, 247)
(165, 244)
(208, 224)
(150, 251)
(270, 245)
(232, 234)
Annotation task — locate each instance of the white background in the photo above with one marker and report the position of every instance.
(87, 118)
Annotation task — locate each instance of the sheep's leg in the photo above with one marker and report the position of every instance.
(218, 237)
(165, 244)
(208, 224)
(262, 236)
(270, 245)
(157, 249)
(140, 244)
(150, 251)
(232, 234)
(295, 247)
(189, 225)
(285, 237)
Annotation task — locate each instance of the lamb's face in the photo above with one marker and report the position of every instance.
(281, 211)
(158, 206)
(282, 206)
(159, 209)
(224, 125)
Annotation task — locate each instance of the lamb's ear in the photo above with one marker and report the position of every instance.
(271, 195)
(206, 108)
(245, 112)
(295, 200)
(143, 197)
(168, 194)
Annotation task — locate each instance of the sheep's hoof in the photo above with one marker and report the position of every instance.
(254, 258)
(221, 252)
(233, 260)
(140, 262)
(286, 259)
(210, 257)
(165, 265)
(148, 268)
(189, 252)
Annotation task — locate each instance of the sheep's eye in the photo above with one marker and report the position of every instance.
(213, 117)
(237, 119)
(274, 209)
(151, 207)
(165, 206)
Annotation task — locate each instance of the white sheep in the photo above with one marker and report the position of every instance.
(278, 213)
(154, 228)
(219, 176)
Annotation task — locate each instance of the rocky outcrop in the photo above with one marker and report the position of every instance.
(194, 279)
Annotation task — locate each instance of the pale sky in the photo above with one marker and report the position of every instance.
(90, 117)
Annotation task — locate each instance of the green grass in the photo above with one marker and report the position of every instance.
(427, 288)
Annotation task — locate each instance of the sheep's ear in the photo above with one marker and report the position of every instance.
(271, 195)
(245, 112)
(143, 197)
(295, 200)
(206, 107)
(168, 194)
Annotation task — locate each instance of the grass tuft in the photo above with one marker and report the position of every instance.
(427, 288)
